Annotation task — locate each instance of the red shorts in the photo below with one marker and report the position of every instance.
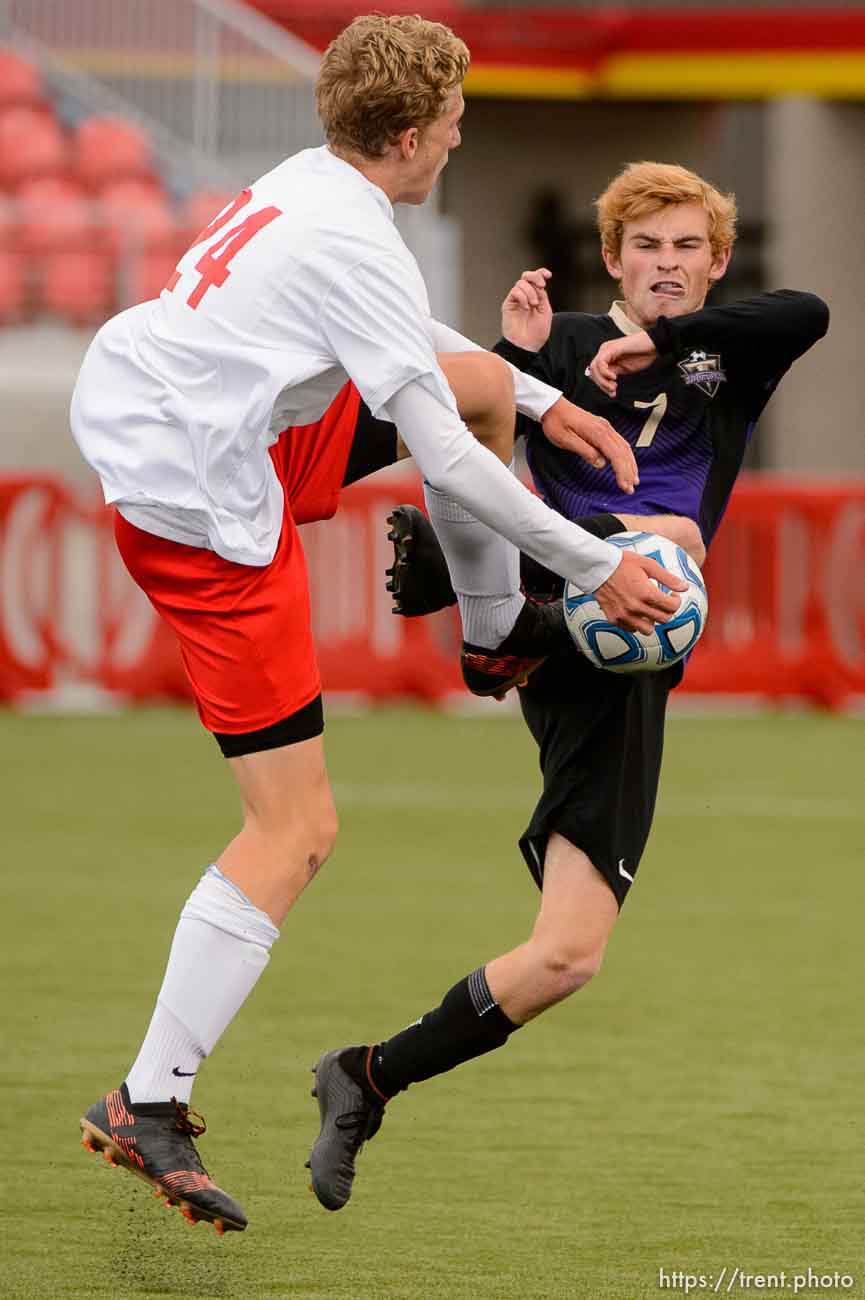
(244, 632)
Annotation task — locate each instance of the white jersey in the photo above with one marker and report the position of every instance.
(179, 399)
(301, 283)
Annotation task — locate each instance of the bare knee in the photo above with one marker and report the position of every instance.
(495, 421)
(494, 382)
(567, 967)
(295, 838)
(483, 387)
(323, 839)
(686, 533)
(315, 835)
(691, 539)
(678, 528)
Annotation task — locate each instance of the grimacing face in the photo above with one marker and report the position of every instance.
(430, 149)
(666, 265)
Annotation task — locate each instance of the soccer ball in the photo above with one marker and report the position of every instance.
(619, 651)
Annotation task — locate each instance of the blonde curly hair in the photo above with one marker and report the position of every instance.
(646, 187)
(383, 74)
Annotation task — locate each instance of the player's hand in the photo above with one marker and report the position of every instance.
(527, 315)
(592, 438)
(631, 600)
(623, 356)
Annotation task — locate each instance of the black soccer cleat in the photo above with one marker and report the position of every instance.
(350, 1116)
(538, 632)
(154, 1141)
(419, 580)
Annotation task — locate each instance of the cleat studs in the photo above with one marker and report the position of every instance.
(307, 1165)
(88, 1145)
(313, 1092)
(219, 1227)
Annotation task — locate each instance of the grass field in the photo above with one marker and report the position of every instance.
(699, 1106)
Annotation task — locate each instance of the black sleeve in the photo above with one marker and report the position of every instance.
(536, 364)
(603, 525)
(540, 365)
(763, 335)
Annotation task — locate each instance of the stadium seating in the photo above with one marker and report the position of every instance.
(12, 287)
(138, 218)
(148, 274)
(78, 286)
(86, 227)
(108, 149)
(55, 215)
(31, 145)
(20, 82)
(198, 212)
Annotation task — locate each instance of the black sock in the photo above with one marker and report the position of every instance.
(468, 1023)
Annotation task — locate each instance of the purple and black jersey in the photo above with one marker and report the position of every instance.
(688, 416)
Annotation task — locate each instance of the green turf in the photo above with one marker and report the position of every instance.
(698, 1106)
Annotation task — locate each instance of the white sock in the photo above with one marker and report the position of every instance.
(220, 948)
(484, 569)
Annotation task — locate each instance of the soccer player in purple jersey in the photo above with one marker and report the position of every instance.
(685, 385)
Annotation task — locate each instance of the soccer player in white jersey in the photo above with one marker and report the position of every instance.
(297, 300)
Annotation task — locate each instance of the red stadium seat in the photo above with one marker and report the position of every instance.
(78, 286)
(12, 286)
(138, 218)
(109, 149)
(145, 277)
(55, 216)
(199, 210)
(9, 224)
(20, 82)
(31, 145)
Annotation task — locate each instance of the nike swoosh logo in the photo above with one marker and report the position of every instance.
(626, 875)
(182, 1074)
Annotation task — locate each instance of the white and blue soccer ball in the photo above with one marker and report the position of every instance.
(620, 651)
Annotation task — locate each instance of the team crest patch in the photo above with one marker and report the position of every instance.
(703, 370)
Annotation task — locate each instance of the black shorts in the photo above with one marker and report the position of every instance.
(601, 739)
(374, 446)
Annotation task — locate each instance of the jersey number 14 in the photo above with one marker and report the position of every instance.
(214, 261)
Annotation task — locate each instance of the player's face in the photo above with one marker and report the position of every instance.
(666, 265)
(431, 147)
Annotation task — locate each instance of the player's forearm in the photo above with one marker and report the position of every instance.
(532, 397)
(777, 327)
(453, 463)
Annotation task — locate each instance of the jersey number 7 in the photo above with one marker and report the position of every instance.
(657, 409)
(213, 263)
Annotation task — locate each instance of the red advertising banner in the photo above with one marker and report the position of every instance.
(785, 581)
